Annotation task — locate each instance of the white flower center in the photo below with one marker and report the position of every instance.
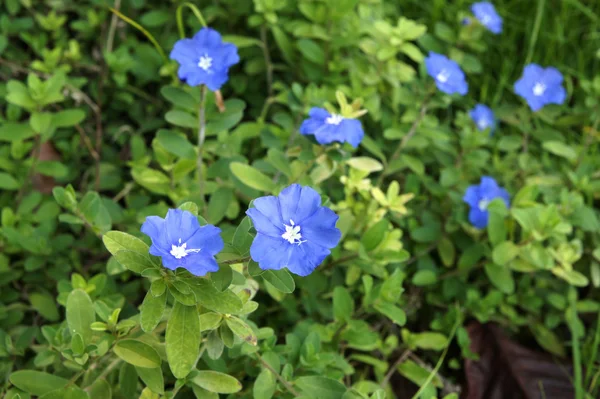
(539, 89)
(482, 124)
(292, 233)
(334, 119)
(483, 204)
(443, 76)
(205, 62)
(180, 251)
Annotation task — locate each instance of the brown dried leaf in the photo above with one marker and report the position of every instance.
(507, 370)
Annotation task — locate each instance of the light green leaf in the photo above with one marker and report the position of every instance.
(153, 378)
(100, 389)
(176, 144)
(134, 261)
(242, 330)
(152, 310)
(44, 304)
(282, 280)
(321, 387)
(365, 164)
(343, 304)
(392, 312)
(264, 386)
(116, 241)
(505, 252)
(7, 182)
(137, 353)
(80, 314)
(252, 177)
(221, 302)
(501, 277)
(430, 340)
(214, 381)
(561, 149)
(36, 382)
(183, 339)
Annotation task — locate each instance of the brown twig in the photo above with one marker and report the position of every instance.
(392, 369)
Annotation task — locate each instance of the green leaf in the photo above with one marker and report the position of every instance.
(242, 41)
(573, 277)
(548, 339)
(446, 251)
(207, 295)
(210, 321)
(152, 180)
(252, 177)
(311, 51)
(282, 280)
(153, 378)
(218, 204)
(375, 234)
(214, 381)
(116, 241)
(15, 131)
(134, 261)
(80, 314)
(44, 304)
(137, 353)
(391, 289)
(180, 98)
(68, 117)
(417, 374)
(424, 277)
(365, 164)
(183, 339)
(505, 252)
(53, 169)
(36, 382)
(496, 228)
(77, 345)
(343, 305)
(560, 149)
(321, 387)
(501, 277)
(176, 144)
(264, 386)
(182, 119)
(242, 330)
(152, 310)
(100, 389)
(222, 278)
(430, 340)
(392, 312)
(7, 182)
(279, 161)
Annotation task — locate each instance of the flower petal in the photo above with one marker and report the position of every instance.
(180, 225)
(270, 253)
(320, 228)
(471, 196)
(297, 203)
(207, 239)
(207, 37)
(199, 264)
(478, 218)
(303, 259)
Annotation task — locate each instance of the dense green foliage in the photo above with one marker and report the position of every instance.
(97, 133)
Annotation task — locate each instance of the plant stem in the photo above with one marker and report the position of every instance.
(441, 360)
(286, 384)
(575, 347)
(392, 369)
(406, 139)
(234, 261)
(109, 368)
(201, 137)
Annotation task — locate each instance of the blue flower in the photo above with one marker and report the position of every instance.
(448, 76)
(293, 230)
(478, 197)
(539, 86)
(487, 16)
(328, 128)
(483, 116)
(205, 59)
(181, 242)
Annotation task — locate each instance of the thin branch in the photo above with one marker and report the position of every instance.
(392, 369)
(113, 27)
(286, 384)
(201, 137)
(406, 139)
